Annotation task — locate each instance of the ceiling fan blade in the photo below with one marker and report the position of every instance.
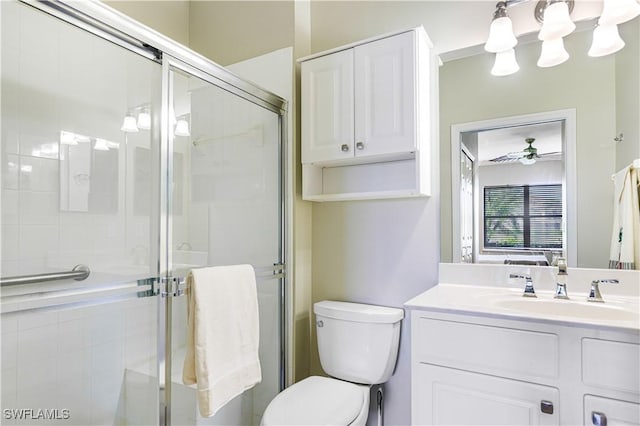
(504, 159)
(517, 154)
(549, 154)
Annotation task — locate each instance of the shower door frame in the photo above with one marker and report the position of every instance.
(169, 64)
(113, 26)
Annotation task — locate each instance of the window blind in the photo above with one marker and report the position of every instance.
(527, 216)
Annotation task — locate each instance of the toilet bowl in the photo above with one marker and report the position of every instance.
(319, 401)
(358, 347)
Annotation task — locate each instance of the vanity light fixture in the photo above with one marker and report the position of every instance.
(554, 15)
(553, 53)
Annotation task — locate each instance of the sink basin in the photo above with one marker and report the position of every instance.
(569, 308)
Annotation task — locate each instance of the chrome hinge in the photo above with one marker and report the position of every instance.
(278, 268)
(171, 286)
(163, 286)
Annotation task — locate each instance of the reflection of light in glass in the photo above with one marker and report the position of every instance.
(129, 124)
(68, 138)
(101, 145)
(182, 128)
(27, 168)
(144, 120)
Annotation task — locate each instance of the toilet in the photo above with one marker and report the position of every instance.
(358, 348)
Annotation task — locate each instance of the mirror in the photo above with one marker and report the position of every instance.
(513, 179)
(599, 90)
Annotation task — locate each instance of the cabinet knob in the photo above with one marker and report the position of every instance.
(360, 146)
(598, 419)
(344, 147)
(546, 407)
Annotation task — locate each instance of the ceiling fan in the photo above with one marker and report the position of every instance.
(527, 156)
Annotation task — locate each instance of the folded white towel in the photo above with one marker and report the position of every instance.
(625, 236)
(222, 335)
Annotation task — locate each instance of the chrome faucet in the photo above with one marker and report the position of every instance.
(561, 280)
(594, 294)
(529, 291)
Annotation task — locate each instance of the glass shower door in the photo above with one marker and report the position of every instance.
(225, 209)
(77, 189)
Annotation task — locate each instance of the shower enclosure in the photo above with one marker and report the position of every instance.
(127, 160)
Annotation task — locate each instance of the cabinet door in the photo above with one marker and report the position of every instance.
(385, 96)
(445, 396)
(327, 107)
(603, 411)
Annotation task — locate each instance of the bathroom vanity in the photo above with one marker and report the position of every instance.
(483, 354)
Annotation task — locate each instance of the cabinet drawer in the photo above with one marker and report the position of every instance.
(611, 411)
(496, 350)
(446, 396)
(611, 365)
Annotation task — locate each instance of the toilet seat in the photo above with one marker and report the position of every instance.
(319, 401)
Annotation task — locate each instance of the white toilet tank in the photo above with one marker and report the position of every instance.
(357, 342)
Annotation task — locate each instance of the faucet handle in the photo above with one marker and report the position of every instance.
(529, 291)
(562, 266)
(594, 294)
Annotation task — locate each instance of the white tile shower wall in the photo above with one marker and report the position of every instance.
(77, 359)
(49, 81)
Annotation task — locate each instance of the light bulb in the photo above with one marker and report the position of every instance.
(553, 53)
(527, 161)
(505, 63)
(606, 40)
(556, 21)
(144, 121)
(129, 124)
(619, 11)
(501, 36)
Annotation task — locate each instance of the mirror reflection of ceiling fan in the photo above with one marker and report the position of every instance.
(527, 156)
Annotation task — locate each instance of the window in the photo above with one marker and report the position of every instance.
(528, 216)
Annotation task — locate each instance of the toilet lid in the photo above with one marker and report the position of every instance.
(316, 401)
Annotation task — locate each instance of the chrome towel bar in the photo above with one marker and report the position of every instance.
(78, 273)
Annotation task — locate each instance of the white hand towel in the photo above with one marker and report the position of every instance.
(222, 336)
(625, 236)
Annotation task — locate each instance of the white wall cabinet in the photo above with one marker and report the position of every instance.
(369, 119)
(469, 369)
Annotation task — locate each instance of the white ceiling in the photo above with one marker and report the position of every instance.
(494, 143)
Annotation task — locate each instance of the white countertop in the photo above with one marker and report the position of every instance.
(477, 290)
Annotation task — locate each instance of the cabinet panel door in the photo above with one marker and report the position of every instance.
(446, 396)
(327, 107)
(385, 96)
(600, 411)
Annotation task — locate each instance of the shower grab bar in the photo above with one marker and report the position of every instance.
(78, 273)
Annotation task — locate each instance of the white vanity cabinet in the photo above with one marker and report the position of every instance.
(368, 119)
(487, 370)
